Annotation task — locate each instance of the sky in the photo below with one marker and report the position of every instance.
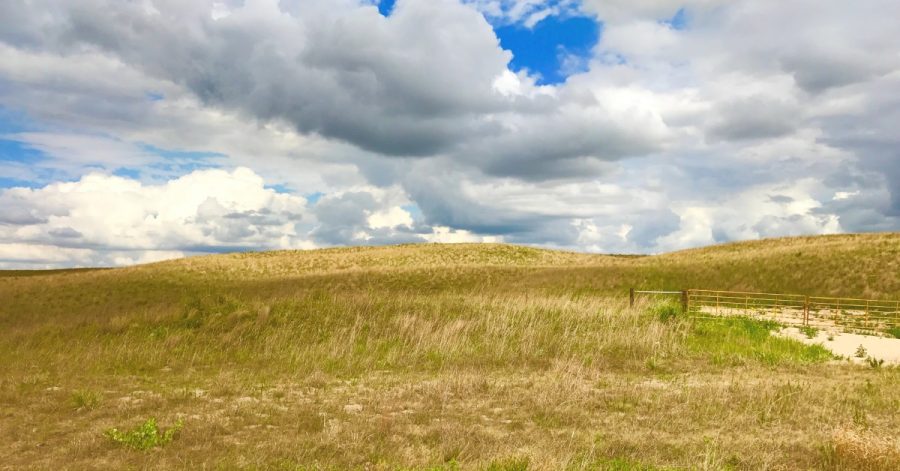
(144, 130)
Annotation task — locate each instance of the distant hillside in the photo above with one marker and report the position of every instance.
(859, 265)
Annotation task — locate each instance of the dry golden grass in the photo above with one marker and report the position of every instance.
(863, 449)
(439, 357)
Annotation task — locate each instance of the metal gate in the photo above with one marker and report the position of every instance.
(869, 316)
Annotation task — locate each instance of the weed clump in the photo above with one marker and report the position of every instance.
(145, 436)
(809, 332)
(85, 400)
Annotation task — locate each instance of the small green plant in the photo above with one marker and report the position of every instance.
(861, 351)
(894, 332)
(85, 400)
(514, 464)
(622, 464)
(451, 465)
(875, 363)
(145, 436)
(809, 332)
(667, 310)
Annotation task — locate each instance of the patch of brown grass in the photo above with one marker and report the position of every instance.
(859, 449)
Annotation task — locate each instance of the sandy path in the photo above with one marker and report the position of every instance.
(887, 349)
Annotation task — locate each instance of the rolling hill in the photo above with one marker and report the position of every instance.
(442, 357)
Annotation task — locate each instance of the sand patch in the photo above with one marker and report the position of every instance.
(846, 345)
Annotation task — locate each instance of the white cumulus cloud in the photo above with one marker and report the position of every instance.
(105, 219)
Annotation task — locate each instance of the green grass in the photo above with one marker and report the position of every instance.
(667, 310)
(737, 341)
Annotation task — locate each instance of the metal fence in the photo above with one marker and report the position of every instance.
(854, 315)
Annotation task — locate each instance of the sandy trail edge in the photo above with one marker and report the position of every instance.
(843, 344)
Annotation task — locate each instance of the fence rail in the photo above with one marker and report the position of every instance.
(868, 316)
(855, 315)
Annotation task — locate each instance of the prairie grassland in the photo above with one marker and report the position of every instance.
(441, 357)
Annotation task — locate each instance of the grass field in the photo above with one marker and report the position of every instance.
(440, 357)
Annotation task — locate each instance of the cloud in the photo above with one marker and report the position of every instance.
(326, 67)
(69, 153)
(744, 119)
(334, 70)
(754, 117)
(101, 217)
(525, 12)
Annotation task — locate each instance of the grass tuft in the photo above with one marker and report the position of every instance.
(809, 331)
(85, 400)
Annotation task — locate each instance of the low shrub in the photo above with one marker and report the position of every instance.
(145, 436)
(809, 332)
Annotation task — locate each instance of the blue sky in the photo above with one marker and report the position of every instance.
(541, 48)
(385, 7)
(14, 152)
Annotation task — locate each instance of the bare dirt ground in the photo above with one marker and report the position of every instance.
(847, 345)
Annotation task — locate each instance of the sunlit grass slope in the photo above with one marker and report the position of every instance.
(441, 357)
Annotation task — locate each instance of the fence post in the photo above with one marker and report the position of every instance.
(631, 297)
(806, 310)
(867, 313)
(684, 301)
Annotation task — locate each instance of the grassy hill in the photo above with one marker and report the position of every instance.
(441, 357)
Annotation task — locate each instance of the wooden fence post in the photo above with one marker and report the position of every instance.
(685, 302)
(867, 313)
(806, 310)
(631, 297)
